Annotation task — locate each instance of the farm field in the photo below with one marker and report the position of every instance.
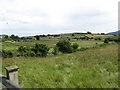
(92, 68)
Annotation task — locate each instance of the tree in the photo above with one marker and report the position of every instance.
(41, 49)
(75, 46)
(73, 35)
(6, 36)
(88, 32)
(106, 41)
(64, 46)
(37, 37)
(102, 33)
(13, 37)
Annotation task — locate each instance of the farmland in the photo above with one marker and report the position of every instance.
(95, 67)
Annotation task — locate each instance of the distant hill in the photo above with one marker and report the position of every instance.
(114, 33)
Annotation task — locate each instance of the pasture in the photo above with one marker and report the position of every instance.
(50, 43)
(96, 67)
(93, 68)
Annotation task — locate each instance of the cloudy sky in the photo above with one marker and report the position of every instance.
(31, 17)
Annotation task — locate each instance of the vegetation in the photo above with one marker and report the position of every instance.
(94, 68)
(40, 49)
(75, 60)
(7, 54)
(75, 46)
(56, 50)
(106, 41)
(64, 46)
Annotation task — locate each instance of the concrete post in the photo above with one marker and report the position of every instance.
(12, 73)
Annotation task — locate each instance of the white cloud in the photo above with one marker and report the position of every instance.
(42, 16)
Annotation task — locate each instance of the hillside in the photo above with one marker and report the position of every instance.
(95, 68)
(115, 33)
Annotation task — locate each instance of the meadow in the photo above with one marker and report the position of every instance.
(50, 43)
(94, 68)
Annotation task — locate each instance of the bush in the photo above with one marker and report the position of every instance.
(22, 50)
(7, 54)
(40, 49)
(106, 41)
(29, 53)
(64, 46)
(25, 51)
(56, 50)
(75, 46)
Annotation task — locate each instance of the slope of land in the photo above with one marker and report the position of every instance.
(93, 68)
(115, 33)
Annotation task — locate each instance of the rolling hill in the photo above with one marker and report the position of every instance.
(115, 33)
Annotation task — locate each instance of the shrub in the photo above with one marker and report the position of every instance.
(7, 54)
(75, 46)
(73, 35)
(56, 50)
(99, 38)
(40, 49)
(22, 50)
(106, 41)
(29, 53)
(64, 46)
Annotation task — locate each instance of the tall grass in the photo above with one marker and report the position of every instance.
(94, 68)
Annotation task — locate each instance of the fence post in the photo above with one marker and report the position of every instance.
(12, 73)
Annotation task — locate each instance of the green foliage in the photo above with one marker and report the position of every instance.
(56, 50)
(73, 34)
(41, 49)
(37, 37)
(25, 51)
(65, 46)
(75, 46)
(106, 41)
(15, 38)
(29, 53)
(102, 33)
(7, 54)
(94, 68)
(37, 50)
(22, 50)
(88, 32)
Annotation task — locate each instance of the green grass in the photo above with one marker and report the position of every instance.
(13, 46)
(94, 68)
(87, 43)
(50, 43)
(9, 46)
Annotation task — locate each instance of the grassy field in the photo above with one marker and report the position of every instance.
(50, 43)
(93, 68)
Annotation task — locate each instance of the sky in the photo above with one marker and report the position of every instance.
(34, 17)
